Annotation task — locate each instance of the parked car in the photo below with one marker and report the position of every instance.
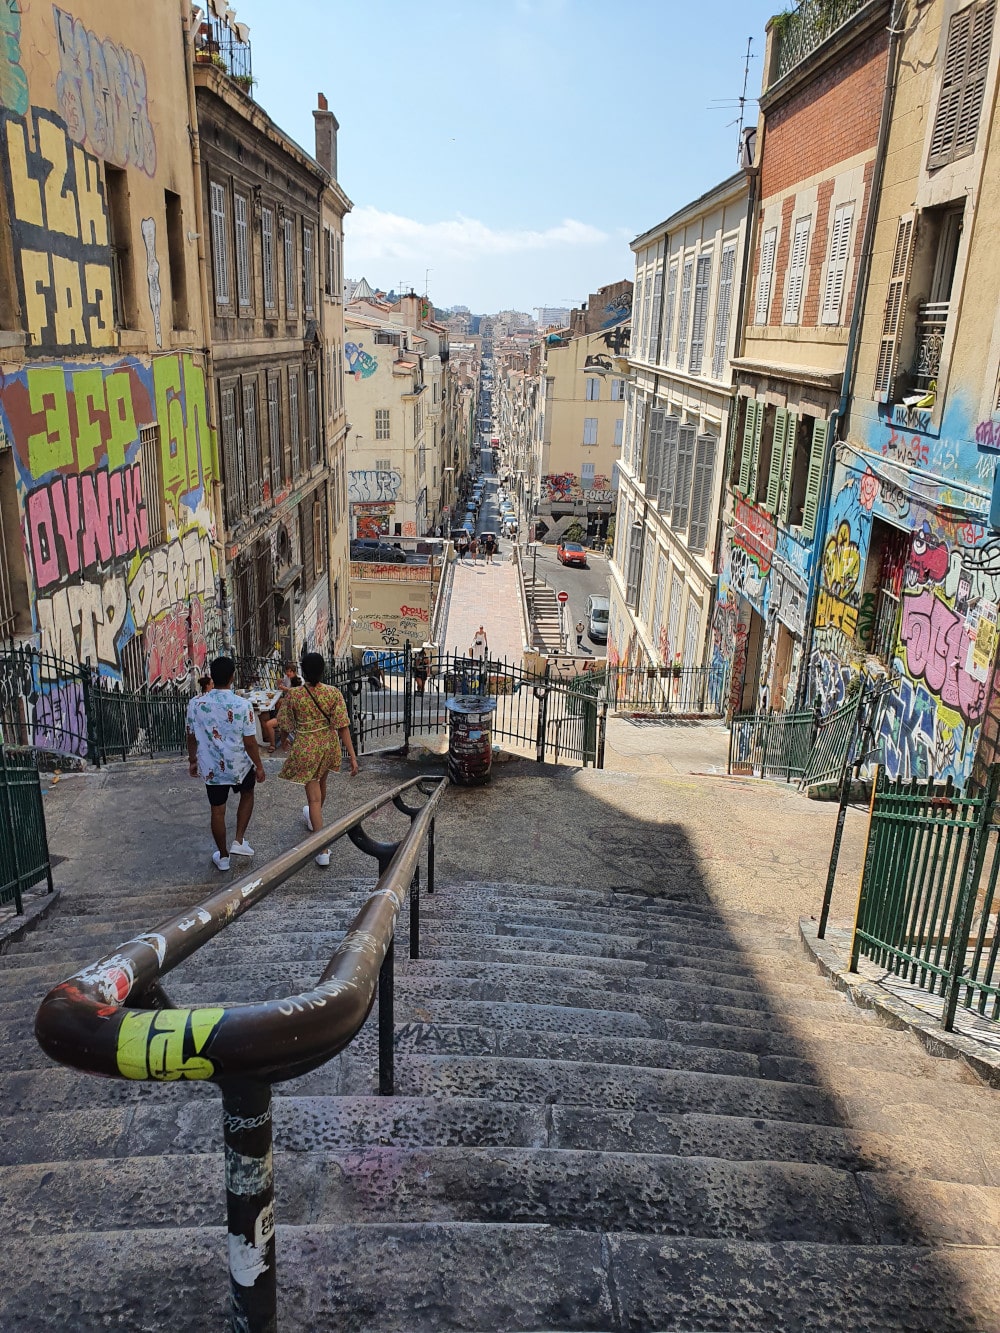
(376, 552)
(572, 553)
(598, 611)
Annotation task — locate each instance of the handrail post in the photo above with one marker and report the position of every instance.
(11, 824)
(430, 858)
(253, 1275)
(386, 1023)
(415, 914)
(407, 693)
(961, 922)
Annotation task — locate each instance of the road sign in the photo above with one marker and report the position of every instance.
(562, 597)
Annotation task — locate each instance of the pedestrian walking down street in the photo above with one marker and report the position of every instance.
(580, 627)
(474, 549)
(421, 669)
(480, 647)
(461, 546)
(489, 545)
(318, 716)
(222, 750)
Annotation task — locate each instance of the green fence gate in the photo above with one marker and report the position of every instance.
(24, 847)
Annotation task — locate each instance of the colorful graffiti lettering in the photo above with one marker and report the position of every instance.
(13, 80)
(756, 534)
(168, 1044)
(906, 732)
(60, 720)
(913, 451)
(101, 89)
(911, 418)
(936, 647)
(360, 364)
(988, 436)
(374, 484)
(81, 522)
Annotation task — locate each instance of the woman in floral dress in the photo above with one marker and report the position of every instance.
(317, 715)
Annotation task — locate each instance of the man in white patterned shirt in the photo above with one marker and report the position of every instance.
(223, 752)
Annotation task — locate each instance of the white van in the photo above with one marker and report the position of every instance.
(598, 610)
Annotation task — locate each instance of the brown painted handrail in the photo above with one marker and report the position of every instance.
(113, 1019)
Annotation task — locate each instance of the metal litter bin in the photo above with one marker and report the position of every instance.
(470, 739)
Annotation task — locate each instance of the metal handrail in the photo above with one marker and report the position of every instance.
(114, 1019)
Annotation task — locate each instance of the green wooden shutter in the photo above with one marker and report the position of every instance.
(791, 433)
(747, 454)
(758, 427)
(777, 460)
(814, 477)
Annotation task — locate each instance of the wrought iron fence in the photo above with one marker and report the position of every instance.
(682, 691)
(128, 724)
(771, 745)
(928, 908)
(24, 848)
(807, 27)
(831, 750)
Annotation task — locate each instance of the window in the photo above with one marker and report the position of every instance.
(383, 464)
(654, 319)
(590, 430)
(654, 454)
(765, 276)
(661, 588)
(274, 431)
(267, 257)
(634, 566)
(668, 314)
(385, 339)
(587, 476)
(648, 569)
(895, 306)
(308, 270)
(593, 388)
(963, 83)
(617, 391)
(692, 627)
(619, 428)
(294, 424)
(836, 270)
(175, 259)
(122, 266)
(381, 423)
(329, 261)
(232, 457)
(289, 234)
(795, 277)
(777, 466)
(151, 471)
(676, 596)
(668, 467)
(685, 314)
(312, 415)
(319, 553)
(723, 312)
(251, 446)
(637, 311)
(702, 492)
(682, 478)
(753, 422)
(882, 589)
(700, 320)
(418, 418)
(241, 217)
(814, 477)
(220, 243)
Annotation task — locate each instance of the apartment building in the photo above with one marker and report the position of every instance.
(685, 324)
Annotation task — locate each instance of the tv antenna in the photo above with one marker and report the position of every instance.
(741, 102)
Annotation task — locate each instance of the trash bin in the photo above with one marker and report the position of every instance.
(470, 739)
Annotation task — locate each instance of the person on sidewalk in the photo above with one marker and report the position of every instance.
(580, 627)
(317, 715)
(480, 647)
(474, 549)
(222, 750)
(421, 669)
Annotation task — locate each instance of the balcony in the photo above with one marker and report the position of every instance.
(932, 320)
(224, 43)
(798, 33)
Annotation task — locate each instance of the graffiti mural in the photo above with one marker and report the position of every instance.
(360, 364)
(101, 91)
(374, 484)
(373, 520)
(13, 80)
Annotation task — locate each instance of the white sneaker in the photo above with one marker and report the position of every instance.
(323, 859)
(241, 849)
(305, 818)
(221, 862)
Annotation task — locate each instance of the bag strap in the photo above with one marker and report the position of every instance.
(326, 715)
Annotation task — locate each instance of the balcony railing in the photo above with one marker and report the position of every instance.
(800, 32)
(932, 320)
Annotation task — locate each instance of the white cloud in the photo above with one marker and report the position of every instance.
(374, 236)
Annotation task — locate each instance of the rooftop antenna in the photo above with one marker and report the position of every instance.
(740, 102)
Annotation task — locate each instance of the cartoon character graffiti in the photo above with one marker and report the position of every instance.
(148, 228)
(360, 364)
(928, 558)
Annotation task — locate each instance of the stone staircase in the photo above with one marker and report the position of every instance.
(610, 1115)
(545, 614)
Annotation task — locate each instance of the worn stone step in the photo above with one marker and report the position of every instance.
(416, 1278)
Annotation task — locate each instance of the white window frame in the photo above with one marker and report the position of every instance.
(589, 430)
(835, 287)
(593, 389)
(699, 319)
(308, 269)
(684, 318)
(241, 226)
(220, 243)
(383, 429)
(795, 279)
(617, 391)
(723, 311)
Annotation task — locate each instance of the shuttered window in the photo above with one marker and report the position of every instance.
(723, 312)
(895, 306)
(765, 276)
(634, 573)
(637, 315)
(251, 446)
(590, 430)
(232, 457)
(274, 430)
(702, 492)
(836, 271)
(308, 270)
(814, 477)
(788, 472)
(639, 439)
(619, 424)
(654, 453)
(963, 83)
(294, 424)
(648, 569)
(665, 498)
(668, 314)
(795, 278)
(682, 478)
(656, 323)
(220, 243)
(241, 218)
(289, 234)
(267, 256)
(752, 427)
(703, 276)
(312, 415)
(684, 318)
(776, 471)
(661, 589)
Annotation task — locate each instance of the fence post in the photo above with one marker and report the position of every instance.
(86, 685)
(966, 904)
(855, 747)
(407, 692)
(602, 729)
(878, 785)
(15, 840)
(543, 708)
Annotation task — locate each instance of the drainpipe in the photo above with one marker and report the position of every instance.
(199, 222)
(850, 356)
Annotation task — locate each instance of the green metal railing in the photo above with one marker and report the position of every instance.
(927, 912)
(771, 745)
(24, 848)
(832, 747)
(806, 27)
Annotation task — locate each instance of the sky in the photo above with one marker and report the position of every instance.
(503, 153)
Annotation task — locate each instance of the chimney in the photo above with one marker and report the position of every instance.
(326, 136)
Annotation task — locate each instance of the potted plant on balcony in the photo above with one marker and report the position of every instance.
(678, 666)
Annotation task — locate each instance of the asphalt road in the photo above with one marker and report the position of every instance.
(579, 583)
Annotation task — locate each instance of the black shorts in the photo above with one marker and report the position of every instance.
(218, 792)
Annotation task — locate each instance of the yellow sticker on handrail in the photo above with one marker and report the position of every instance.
(152, 1045)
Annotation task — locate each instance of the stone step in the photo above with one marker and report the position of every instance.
(416, 1278)
(572, 1189)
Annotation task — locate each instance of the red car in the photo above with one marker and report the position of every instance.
(572, 553)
